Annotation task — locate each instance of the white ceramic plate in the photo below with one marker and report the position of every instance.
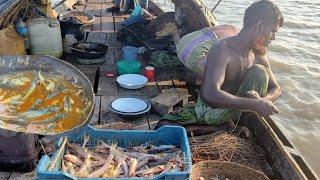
(135, 113)
(132, 81)
(129, 105)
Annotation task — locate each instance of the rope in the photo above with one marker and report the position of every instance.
(216, 5)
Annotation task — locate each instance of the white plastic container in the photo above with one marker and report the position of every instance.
(45, 37)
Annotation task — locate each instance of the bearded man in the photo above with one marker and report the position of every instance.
(236, 74)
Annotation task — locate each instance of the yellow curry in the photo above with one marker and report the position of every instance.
(42, 100)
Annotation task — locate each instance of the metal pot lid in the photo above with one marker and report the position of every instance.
(132, 80)
(129, 105)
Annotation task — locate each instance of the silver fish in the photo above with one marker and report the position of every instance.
(68, 102)
(38, 113)
(50, 86)
(12, 98)
(15, 120)
(50, 120)
(133, 167)
(30, 90)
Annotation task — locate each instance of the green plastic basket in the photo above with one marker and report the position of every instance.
(128, 67)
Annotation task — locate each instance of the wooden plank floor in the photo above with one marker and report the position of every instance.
(104, 30)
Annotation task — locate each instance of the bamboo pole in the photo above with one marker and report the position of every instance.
(58, 154)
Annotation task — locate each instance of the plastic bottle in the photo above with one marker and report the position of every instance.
(22, 30)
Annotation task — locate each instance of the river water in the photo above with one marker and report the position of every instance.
(294, 58)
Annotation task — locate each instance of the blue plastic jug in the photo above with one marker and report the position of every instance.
(130, 53)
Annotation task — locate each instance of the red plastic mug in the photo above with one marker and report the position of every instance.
(149, 72)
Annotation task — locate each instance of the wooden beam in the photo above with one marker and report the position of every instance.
(96, 113)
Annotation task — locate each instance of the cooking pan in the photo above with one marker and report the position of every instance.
(55, 67)
(89, 50)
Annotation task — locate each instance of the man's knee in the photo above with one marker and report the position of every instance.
(260, 72)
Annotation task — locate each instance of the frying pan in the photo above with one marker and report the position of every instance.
(52, 66)
(89, 50)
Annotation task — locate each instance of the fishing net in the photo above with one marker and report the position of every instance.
(228, 147)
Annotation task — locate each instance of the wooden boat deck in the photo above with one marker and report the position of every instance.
(104, 30)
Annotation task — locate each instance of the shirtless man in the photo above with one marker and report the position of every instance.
(237, 67)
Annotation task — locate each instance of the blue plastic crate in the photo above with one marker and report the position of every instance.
(163, 136)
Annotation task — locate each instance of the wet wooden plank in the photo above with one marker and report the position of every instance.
(117, 43)
(110, 57)
(117, 54)
(108, 67)
(89, 71)
(163, 78)
(112, 41)
(107, 87)
(96, 26)
(107, 24)
(100, 37)
(79, 7)
(90, 37)
(118, 20)
(105, 9)
(149, 91)
(106, 115)
(111, 24)
(128, 92)
(96, 113)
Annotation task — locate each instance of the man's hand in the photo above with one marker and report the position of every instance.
(253, 94)
(265, 108)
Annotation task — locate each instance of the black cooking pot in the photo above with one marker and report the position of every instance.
(70, 25)
(89, 50)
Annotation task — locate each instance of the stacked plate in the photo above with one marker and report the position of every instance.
(132, 81)
(130, 106)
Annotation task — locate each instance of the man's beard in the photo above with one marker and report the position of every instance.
(261, 51)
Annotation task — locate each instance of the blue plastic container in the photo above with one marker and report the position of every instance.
(130, 53)
(135, 17)
(163, 136)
